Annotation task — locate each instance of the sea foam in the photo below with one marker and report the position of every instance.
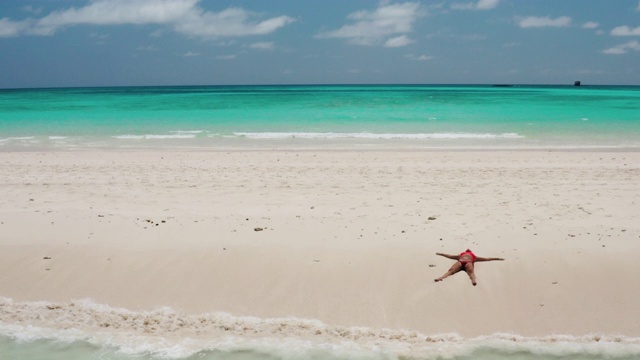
(365, 135)
(18, 138)
(165, 332)
(155, 137)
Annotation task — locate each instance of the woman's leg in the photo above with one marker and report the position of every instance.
(468, 267)
(452, 270)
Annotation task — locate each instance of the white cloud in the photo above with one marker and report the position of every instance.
(116, 12)
(10, 28)
(191, 54)
(419, 57)
(590, 25)
(227, 57)
(638, 8)
(534, 21)
(399, 41)
(479, 5)
(228, 23)
(225, 43)
(374, 27)
(623, 48)
(184, 16)
(625, 31)
(262, 45)
(487, 4)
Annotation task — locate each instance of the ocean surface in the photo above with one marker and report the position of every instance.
(321, 116)
(266, 117)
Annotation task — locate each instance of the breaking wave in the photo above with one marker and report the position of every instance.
(408, 136)
(166, 333)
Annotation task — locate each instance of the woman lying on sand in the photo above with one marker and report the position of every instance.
(465, 262)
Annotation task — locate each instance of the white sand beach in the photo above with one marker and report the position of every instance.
(344, 237)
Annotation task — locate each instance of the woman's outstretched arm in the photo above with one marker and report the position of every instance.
(452, 257)
(488, 259)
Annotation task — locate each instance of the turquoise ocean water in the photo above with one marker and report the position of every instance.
(321, 116)
(369, 117)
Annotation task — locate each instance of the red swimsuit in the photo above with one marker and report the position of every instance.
(465, 262)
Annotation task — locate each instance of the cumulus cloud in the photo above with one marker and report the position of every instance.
(537, 22)
(191, 54)
(184, 16)
(378, 26)
(228, 23)
(262, 45)
(623, 48)
(399, 41)
(479, 5)
(10, 28)
(590, 25)
(419, 57)
(625, 31)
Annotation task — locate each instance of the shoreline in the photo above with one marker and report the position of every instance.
(346, 237)
(325, 148)
(223, 334)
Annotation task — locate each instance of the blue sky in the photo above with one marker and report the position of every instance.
(52, 43)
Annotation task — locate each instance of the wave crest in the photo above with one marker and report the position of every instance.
(167, 332)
